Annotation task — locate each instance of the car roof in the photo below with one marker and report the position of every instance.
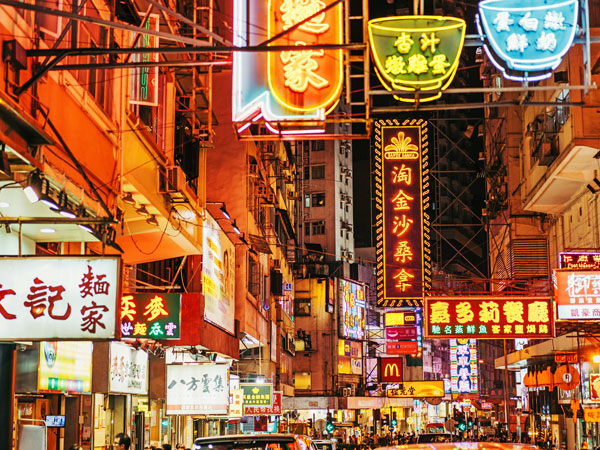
(247, 438)
(462, 446)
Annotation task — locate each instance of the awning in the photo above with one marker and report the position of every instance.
(259, 243)
(23, 124)
(285, 218)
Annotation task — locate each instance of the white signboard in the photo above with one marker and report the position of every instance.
(60, 297)
(128, 369)
(218, 276)
(197, 389)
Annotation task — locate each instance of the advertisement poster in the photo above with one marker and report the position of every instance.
(353, 313)
(65, 367)
(194, 389)
(218, 276)
(128, 369)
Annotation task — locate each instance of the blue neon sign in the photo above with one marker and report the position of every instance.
(527, 40)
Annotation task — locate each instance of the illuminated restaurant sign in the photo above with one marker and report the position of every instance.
(416, 54)
(63, 297)
(397, 333)
(418, 389)
(577, 294)
(150, 316)
(527, 40)
(290, 85)
(144, 80)
(402, 180)
(463, 366)
(353, 313)
(579, 260)
(65, 367)
(390, 370)
(488, 317)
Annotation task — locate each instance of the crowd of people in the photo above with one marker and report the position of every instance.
(123, 442)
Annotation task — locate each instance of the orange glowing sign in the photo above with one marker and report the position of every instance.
(305, 80)
(577, 294)
(489, 317)
(403, 257)
(418, 389)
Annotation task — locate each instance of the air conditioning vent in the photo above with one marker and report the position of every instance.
(261, 190)
(171, 179)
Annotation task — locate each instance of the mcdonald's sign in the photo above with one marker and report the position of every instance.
(390, 370)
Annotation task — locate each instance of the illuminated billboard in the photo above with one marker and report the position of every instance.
(417, 389)
(488, 317)
(390, 370)
(402, 198)
(353, 313)
(65, 367)
(577, 294)
(292, 90)
(464, 366)
(416, 54)
(527, 40)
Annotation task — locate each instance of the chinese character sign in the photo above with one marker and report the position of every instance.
(353, 313)
(65, 367)
(274, 410)
(577, 294)
(128, 369)
(594, 386)
(197, 389)
(403, 255)
(218, 275)
(464, 366)
(418, 389)
(296, 84)
(489, 317)
(526, 41)
(416, 53)
(579, 260)
(257, 394)
(144, 80)
(58, 298)
(150, 316)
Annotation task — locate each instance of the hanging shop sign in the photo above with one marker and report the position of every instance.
(398, 333)
(292, 85)
(390, 370)
(236, 403)
(150, 316)
(257, 394)
(400, 318)
(579, 260)
(402, 348)
(594, 379)
(353, 312)
(416, 54)
(128, 369)
(488, 317)
(566, 357)
(403, 227)
(464, 366)
(577, 294)
(418, 389)
(62, 297)
(144, 80)
(350, 357)
(197, 389)
(274, 410)
(330, 305)
(591, 415)
(218, 275)
(65, 367)
(526, 41)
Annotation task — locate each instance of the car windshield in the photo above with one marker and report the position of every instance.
(247, 445)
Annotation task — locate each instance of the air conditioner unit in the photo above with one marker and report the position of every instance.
(253, 169)
(276, 263)
(349, 173)
(269, 198)
(171, 179)
(291, 195)
(261, 190)
(348, 199)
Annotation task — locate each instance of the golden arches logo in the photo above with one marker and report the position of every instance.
(391, 370)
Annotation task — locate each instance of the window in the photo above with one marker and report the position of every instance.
(254, 278)
(318, 199)
(307, 172)
(302, 380)
(307, 200)
(318, 227)
(318, 146)
(306, 228)
(318, 172)
(302, 307)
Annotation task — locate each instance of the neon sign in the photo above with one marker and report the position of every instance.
(352, 310)
(577, 294)
(403, 255)
(463, 366)
(291, 85)
(579, 260)
(416, 53)
(144, 80)
(150, 316)
(527, 41)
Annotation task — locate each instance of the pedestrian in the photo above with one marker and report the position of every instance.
(166, 447)
(75, 447)
(122, 442)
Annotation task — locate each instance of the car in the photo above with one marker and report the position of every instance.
(464, 446)
(325, 444)
(434, 438)
(255, 442)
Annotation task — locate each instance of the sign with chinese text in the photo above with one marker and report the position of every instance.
(418, 389)
(350, 348)
(397, 333)
(591, 415)
(350, 357)
(353, 313)
(128, 369)
(402, 348)
(274, 410)
(292, 85)
(197, 389)
(577, 294)
(594, 386)
(144, 80)
(150, 316)
(579, 260)
(59, 297)
(487, 405)
(464, 366)
(402, 196)
(65, 367)
(218, 275)
(566, 357)
(390, 370)
(236, 405)
(400, 318)
(257, 394)
(416, 53)
(526, 41)
(488, 317)
(330, 305)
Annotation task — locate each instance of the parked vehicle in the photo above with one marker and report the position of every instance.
(255, 442)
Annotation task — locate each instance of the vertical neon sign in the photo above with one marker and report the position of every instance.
(144, 80)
